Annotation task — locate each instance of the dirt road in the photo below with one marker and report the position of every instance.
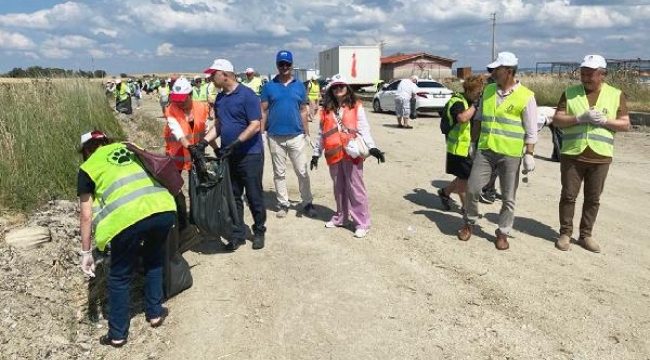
(410, 290)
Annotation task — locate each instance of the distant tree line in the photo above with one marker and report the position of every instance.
(40, 72)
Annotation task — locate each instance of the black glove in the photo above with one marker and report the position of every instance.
(314, 163)
(198, 150)
(217, 152)
(378, 154)
(228, 150)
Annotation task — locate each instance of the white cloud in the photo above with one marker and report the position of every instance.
(69, 42)
(15, 41)
(68, 14)
(97, 53)
(571, 40)
(165, 49)
(55, 53)
(106, 32)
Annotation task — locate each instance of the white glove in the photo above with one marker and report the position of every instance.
(589, 116)
(529, 163)
(88, 263)
(599, 118)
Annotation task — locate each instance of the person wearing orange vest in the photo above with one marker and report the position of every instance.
(185, 127)
(589, 115)
(341, 119)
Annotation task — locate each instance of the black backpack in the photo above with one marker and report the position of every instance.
(446, 124)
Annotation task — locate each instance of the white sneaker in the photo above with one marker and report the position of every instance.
(359, 233)
(330, 225)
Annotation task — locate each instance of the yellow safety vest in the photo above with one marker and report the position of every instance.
(124, 192)
(212, 92)
(576, 138)
(502, 128)
(460, 136)
(123, 94)
(254, 84)
(201, 94)
(314, 90)
(163, 90)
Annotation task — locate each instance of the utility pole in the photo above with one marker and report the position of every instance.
(494, 26)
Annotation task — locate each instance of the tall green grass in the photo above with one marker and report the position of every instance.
(40, 126)
(548, 89)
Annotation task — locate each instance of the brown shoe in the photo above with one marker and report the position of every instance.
(502, 241)
(589, 243)
(563, 242)
(465, 232)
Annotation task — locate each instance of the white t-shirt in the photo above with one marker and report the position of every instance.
(406, 88)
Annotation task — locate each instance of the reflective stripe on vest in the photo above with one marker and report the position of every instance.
(333, 139)
(124, 192)
(502, 128)
(193, 134)
(459, 137)
(576, 138)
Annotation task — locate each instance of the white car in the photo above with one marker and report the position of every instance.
(432, 96)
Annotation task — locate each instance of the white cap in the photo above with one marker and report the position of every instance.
(338, 79)
(250, 70)
(181, 89)
(197, 77)
(91, 135)
(415, 77)
(118, 81)
(504, 59)
(594, 62)
(221, 65)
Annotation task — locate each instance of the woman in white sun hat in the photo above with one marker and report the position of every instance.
(341, 119)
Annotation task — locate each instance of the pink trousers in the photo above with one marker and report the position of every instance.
(350, 194)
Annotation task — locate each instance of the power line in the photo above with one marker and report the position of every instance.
(494, 26)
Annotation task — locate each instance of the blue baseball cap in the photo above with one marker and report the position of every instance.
(284, 55)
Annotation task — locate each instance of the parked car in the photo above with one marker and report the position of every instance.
(432, 96)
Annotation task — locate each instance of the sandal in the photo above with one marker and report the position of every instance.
(408, 127)
(160, 320)
(105, 340)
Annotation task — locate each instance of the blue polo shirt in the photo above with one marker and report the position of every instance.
(235, 112)
(284, 106)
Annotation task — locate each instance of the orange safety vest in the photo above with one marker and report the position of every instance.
(193, 134)
(335, 140)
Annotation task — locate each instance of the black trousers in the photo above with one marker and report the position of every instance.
(246, 176)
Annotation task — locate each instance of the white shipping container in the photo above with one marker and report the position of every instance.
(360, 64)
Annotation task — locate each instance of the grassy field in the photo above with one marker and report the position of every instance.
(40, 126)
(549, 89)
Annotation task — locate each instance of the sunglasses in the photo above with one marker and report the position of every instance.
(338, 87)
(283, 64)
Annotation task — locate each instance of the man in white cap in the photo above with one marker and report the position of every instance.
(507, 123)
(406, 90)
(237, 120)
(252, 81)
(589, 115)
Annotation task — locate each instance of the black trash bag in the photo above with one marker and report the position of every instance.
(414, 113)
(176, 271)
(124, 106)
(212, 203)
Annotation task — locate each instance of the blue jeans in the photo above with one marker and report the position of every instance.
(147, 238)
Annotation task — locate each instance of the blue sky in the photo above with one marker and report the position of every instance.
(149, 36)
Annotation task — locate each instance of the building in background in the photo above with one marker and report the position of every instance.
(425, 66)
